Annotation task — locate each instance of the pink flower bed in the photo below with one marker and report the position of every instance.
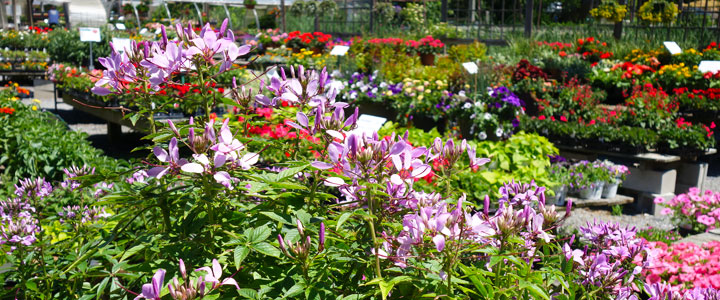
(684, 265)
(699, 210)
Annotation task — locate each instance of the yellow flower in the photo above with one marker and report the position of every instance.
(34, 107)
(36, 100)
(428, 91)
(420, 97)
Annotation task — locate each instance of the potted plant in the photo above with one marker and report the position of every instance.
(587, 179)
(616, 175)
(249, 4)
(560, 175)
(427, 47)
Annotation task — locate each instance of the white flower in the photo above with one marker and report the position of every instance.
(482, 135)
(467, 105)
(487, 116)
(383, 85)
(473, 116)
(499, 132)
(606, 70)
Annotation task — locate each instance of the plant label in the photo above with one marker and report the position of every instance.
(89, 34)
(120, 26)
(368, 124)
(122, 45)
(673, 47)
(712, 66)
(339, 50)
(471, 67)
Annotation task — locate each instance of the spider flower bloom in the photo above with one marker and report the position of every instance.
(119, 72)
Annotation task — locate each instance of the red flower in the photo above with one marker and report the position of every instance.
(541, 118)
(562, 54)
(563, 118)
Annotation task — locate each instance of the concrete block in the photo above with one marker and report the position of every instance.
(691, 174)
(651, 181)
(646, 202)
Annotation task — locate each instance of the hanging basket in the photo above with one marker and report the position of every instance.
(427, 59)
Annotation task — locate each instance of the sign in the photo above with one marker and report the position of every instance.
(368, 124)
(471, 67)
(339, 50)
(712, 66)
(673, 47)
(122, 45)
(89, 34)
(120, 26)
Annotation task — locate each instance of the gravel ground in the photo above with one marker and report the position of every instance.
(581, 216)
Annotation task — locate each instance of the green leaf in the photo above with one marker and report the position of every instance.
(287, 173)
(101, 287)
(239, 254)
(248, 293)
(534, 289)
(342, 220)
(259, 234)
(266, 249)
(31, 285)
(132, 251)
(295, 290)
(276, 217)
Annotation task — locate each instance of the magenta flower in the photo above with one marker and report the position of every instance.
(118, 73)
(153, 289)
(172, 157)
(214, 274)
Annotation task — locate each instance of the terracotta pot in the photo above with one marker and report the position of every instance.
(427, 59)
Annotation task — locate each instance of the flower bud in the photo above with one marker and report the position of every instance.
(300, 227)
(321, 243)
(183, 271)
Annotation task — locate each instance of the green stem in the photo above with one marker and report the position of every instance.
(203, 93)
(166, 213)
(376, 244)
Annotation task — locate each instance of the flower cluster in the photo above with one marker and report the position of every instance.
(228, 154)
(154, 63)
(18, 218)
(191, 288)
(297, 39)
(684, 265)
(701, 210)
(612, 258)
(77, 216)
(426, 45)
(525, 69)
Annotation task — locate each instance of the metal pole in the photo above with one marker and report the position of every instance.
(444, 9)
(167, 10)
(92, 65)
(30, 12)
(227, 13)
(197, 9)
(257, 21)
(528, 18)
(3, 16)
(66, 9)
(16, 22)
(282, 15)
(137, 15)
(617, 30)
